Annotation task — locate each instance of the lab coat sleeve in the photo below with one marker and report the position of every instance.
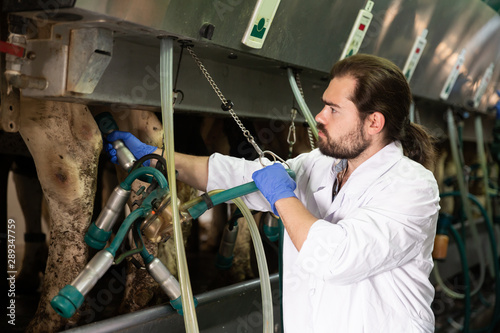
(225, 172)
(386, 232)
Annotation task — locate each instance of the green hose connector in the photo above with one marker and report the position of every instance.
(124, 228)
(146, 256)
(443, 223)
(160, 178)
(223, 263)
(177, 304)
(67, 301)
(235, 192)
(272, 233)
(97, 238)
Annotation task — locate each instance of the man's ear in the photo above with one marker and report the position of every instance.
(375, 123)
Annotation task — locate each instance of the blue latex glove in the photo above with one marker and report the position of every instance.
(274, 183)
(136, 146)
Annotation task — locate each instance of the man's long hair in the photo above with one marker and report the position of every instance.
(382, 87)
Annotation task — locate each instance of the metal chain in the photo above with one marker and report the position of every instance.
(311, 138)
(291, 132)
(299, 84)
(227, 104)
(309, 131)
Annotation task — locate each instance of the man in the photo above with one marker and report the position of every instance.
(360, 219)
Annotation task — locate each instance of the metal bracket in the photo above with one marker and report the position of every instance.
(90, 53)
(9, 106)
(9, 96)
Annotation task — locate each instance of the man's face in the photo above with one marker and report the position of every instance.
(340, 130)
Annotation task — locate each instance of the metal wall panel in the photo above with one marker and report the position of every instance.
(310, 35)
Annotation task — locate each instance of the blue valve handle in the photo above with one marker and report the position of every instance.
(235, 192)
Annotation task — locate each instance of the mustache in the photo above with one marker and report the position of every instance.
(320, 127)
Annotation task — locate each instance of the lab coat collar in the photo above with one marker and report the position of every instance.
(373, 168)
(360, 179)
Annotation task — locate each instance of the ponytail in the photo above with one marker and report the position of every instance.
(382, 87)
(418, 145)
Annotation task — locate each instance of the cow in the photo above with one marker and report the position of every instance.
(66, 144)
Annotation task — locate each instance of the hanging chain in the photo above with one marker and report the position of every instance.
(309, 131)
(227, 105)
(291, 132)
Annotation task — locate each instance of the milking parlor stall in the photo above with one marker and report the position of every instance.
(95, 245)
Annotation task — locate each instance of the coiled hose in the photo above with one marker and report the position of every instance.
(466, 296)
(194, 209)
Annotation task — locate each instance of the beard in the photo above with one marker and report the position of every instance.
(348, 146)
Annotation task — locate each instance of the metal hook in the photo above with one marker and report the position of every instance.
(276, 158)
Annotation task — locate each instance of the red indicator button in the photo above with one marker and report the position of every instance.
(417, 51)
(362, 27)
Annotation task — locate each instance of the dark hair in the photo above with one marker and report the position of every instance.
(382, 87)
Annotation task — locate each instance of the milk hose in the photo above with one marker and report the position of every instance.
(466, 207)
(124, 228)
(167, 112)
(267, 301)
(127, 183)
(484, 168)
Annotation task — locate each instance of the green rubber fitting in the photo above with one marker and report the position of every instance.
(223, 263)
(177, 304)
(96, 238)
(272, 233)
(67, 301)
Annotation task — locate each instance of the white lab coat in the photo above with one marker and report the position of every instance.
(365, 264)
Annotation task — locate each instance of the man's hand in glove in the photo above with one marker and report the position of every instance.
(136, 146)
(274, 183)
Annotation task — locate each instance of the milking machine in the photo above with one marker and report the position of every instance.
(160, 213)
(154, 219)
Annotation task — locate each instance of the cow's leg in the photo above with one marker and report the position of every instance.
(65, 143)
(29, 193)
